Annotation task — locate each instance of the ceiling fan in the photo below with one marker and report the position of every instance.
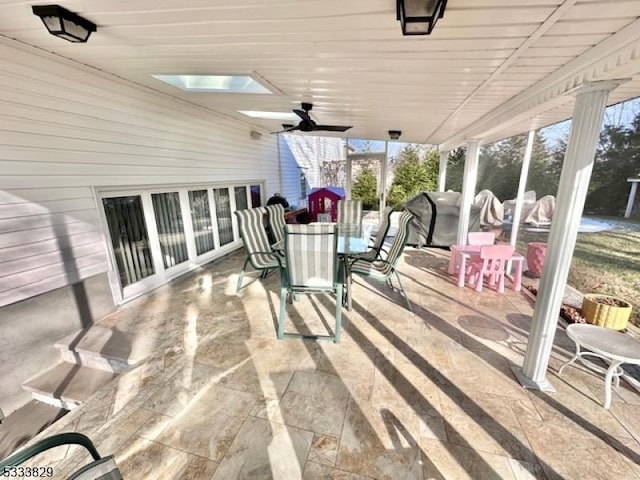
(308, 125)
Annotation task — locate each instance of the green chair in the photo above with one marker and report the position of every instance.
(312, 266)
(276, 222)
(256, 243)
(101, 468)
(383, 270)
(350, 211)
(375, 251)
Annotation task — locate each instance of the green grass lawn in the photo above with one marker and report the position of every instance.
(605, 262)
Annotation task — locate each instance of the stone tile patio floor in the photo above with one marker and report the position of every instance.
(428, 395)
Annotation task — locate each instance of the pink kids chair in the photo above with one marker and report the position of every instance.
(491, 262)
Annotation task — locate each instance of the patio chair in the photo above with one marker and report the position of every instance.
(256, 243)
(312, 266)
(383, 270)
(350, 211)
(375, 251)
(276, 222)
(101, 468)
(481, 238)
(492, 262)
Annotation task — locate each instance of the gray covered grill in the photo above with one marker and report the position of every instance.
(436, 219)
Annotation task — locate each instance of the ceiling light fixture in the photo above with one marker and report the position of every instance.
(395, 134)
(418, 17)
(64, 24)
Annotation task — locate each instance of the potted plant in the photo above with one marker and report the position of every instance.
(606, 311)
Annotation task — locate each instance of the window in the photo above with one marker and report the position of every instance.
(256, 196)
(158, 235)
(201, 220)
(129, 238)
(223, 213)
(173, 243)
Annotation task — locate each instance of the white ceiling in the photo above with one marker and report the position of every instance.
(350, 59)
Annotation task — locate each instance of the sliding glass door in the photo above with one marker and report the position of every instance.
(158, 235)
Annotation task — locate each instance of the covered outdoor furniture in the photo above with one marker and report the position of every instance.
(383, 270)
(491, 208)
(312, 266)
(256, 242)
(350, 211)
(615, 347)
(541, 213)
(276, 216)
(375, 250)
(436, 219)
(490, 262)
(101, 468)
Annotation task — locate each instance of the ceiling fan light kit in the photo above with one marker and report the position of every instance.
(418, 17)
(63, 23)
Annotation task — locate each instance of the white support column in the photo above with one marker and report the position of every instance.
(588, 112)
(383, 178)
(442, 172)
(632, 196)
(468, 189)
(524, 173)
(347, 170)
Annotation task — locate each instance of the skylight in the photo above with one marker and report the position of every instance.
(270, 115)
(215, 83)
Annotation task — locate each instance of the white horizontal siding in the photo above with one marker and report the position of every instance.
(65, 130)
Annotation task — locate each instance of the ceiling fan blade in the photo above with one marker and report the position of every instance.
(333, 128)
(303, 115)
(288, 128)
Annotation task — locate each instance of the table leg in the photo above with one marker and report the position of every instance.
(575, 357)
(613, 369)
(452, 262)
(517, 276)
(462, 269)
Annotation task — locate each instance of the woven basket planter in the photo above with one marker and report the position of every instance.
(603, 315)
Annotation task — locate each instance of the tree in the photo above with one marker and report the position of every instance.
(455, 169)
(365, 189)
(415, 172)
(617, 158)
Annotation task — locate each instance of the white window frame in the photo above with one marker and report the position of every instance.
(164, 275)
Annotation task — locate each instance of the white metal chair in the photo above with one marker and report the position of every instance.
(256, 243)
(312, 266)
(383, 270)
(350, 211)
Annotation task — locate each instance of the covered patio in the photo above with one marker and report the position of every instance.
(422, 396)
(89, 133)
